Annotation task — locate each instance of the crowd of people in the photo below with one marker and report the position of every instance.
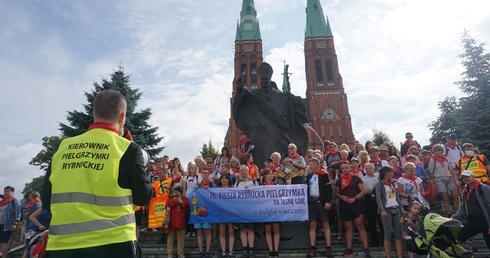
(370, 189)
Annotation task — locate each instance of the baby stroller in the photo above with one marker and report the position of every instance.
(436, 237)
(36, 247)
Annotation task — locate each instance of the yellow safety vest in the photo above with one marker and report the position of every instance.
(475, 164)
(88, 206)
(157, 208)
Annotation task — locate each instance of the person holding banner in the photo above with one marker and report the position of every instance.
(272, 229)
(156, 211)
(320, 198)
(205, 227)
(225, 182)
(247, 230)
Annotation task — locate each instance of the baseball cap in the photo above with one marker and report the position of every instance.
(152, 161)
(467, 173)
(452, 136)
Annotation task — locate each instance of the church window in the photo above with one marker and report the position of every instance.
(318, 68)
(340, 130)
(243, 73)
(254, 73)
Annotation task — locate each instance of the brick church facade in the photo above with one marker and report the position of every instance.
(325, 99)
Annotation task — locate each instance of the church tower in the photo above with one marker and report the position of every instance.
(325, 96)
(248, 58)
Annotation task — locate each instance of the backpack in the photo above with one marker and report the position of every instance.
(430, 191)
(44, 218)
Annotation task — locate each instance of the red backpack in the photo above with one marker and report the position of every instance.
(431, 191)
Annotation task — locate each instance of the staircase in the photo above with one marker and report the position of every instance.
(152, 250)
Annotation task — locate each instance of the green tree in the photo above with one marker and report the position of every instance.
(79, 121)
(35, 185)
(43, 158)
(379, 137)
(446, 123)
(469, 116)
(209, 149)
(137, 122)
(474, 122)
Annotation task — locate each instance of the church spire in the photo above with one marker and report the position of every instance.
(316, 26)
(248, 26)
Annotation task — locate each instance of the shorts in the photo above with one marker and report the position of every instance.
(138, 215)
(316, 211)
(249, 226)
(348, 214)
(4, 235)
(444, 184)
(204, 225)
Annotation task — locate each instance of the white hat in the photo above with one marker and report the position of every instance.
(152, 161)
(467, 173)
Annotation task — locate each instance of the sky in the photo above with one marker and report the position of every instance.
(398, 59)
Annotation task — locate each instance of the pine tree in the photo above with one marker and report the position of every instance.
(474, 122)
(136, 122)
(379, 137)
(469, 116)
(209, 149)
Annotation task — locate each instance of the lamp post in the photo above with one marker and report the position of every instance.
(308, 126)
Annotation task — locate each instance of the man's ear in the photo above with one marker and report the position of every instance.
(122, 118)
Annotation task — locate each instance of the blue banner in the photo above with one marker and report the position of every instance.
(275, 203)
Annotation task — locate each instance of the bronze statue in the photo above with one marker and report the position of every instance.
(273, 118)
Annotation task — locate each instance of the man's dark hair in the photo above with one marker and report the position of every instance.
(108, 104)
(11, 188)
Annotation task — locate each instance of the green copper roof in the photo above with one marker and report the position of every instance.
(315, 21)
(248, 26)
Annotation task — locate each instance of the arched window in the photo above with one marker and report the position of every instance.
(328, 67)
(254, 72)
(243, 73)
(339, 126)
(318, 68)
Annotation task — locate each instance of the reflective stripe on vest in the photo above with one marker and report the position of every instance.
(91, 199)
(83, 227)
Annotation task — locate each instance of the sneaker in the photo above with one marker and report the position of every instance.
(348, 252)
(245, 254)
(276, 254)
(231, 254)
(200, 255)
(193, 234)
(224, 255)
(144, 230)
(339, 236)
(367, 253)
(329, 252)
(207, 255)
(312, 253)
(271, 254)
(154, 230)
(188, 234)
(251, 254)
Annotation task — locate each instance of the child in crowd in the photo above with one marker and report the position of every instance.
(205, 227)
(225, 183)
(178, 204)
(268, 178)
(412, 219)
(267, 166)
